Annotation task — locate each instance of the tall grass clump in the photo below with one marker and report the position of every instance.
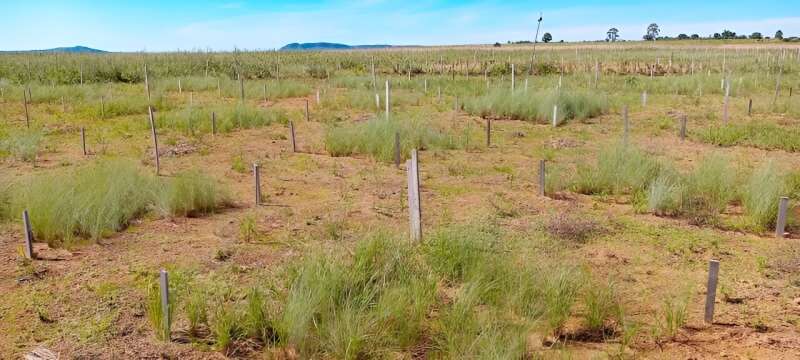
(348, 308)
(538, 106)
(760, 196)
(376, 138)
(92, 201)
(190, 193)
(760, 135)
(96, 200)
(700, 195)
(620, 169)
(194, 120)
(23, 145)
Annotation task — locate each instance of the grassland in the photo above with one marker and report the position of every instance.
(611, 263)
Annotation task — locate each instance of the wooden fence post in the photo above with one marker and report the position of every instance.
(83, 140)
(414, 208)
(397, 149)
(27, 114)
(513, 78)
(488, 132)
(165, 309)
(711, 290)
(155, 139)
(241, 87)
(291, 134)
(26, 223)
(725, 102)
(146, 83)
(780, 224)
(750, 107)
(213, 123)
(308, 115)
(555, 115)
(625, 124)
(541, 177)
(257, 178)
(683, 128)
(644, 98)
(388, 101)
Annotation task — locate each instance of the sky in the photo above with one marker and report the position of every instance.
(152, 25)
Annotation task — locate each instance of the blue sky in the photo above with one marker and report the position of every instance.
(165, 25)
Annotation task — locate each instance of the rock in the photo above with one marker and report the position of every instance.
(41, 353)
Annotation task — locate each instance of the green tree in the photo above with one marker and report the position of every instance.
(756, 35)
(547, 37)
(695, 36)
(727, 34)
(652, 32)
(779, 35)
(612, 34)
(683, 37)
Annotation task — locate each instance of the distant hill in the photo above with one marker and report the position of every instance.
(71, 49)
(321, 46)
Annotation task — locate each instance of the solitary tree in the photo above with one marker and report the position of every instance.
(727, 34)
(612, 33)
(547, 37)
(756, 35)
(652, 32)
(695, 36)
(683, 37)
(779, 35)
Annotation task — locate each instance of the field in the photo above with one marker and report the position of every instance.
(611, 262)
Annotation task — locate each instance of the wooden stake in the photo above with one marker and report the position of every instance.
(26, 223)
(711, 290)
(488, 132)
(165, 310)
(644, 98)
(241, 87)
(555, 115)
(750, 107)
(397, 149)
(27, 114)
(625, 124)
(213, 123)
(146, 83)
(291, 134)
(257, 178)
(780, 224)
(683, 128)
(83, 141)
(155, 139)
(388, 101)
(541, 177)
(414, 208)
(307, 113)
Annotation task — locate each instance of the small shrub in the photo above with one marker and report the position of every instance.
(155, 312)
(760, 196)
(603, 310)
(620, 169)
(197, 310)
(376, 137)
(571, 227)
(23, 145)
(190, 193)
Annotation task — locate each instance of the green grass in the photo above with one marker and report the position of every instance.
(760, 196)
(194, 120)
(101, 198)
(468, 291)
(538, 106)
(620, 169)
(190, 193)
(376, 137)
(756, 134)
(22, 144)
